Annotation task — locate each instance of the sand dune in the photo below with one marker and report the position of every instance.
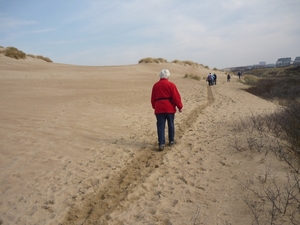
(78, 146)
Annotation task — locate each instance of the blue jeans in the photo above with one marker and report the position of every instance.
(161, 124)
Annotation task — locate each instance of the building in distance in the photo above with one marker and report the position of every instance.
(297, 61)
(284, 62)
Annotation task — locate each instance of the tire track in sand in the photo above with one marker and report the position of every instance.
(95, 208)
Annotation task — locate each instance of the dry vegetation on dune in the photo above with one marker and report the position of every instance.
(280, 85)
(193, 76)
(270, 200)
(15, 53)
(153, 60)
(276, 84)
(176, 61)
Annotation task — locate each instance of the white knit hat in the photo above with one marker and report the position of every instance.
(164, 73)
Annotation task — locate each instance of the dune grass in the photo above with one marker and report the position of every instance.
(31, 56)
(192, 76)
(44, 58)
(15, 53)
(153, 60)
(176, 61)
(250, 80)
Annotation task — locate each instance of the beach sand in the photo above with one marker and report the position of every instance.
(79, 146)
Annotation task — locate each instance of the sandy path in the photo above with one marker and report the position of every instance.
(198, 183)
(78, 146)
(195, 182)
(97, 207)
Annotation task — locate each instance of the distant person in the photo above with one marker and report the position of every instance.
(239, 74)
(164, 99)
(215, 79)
(209, 79)
(228, 77)
(212, 79)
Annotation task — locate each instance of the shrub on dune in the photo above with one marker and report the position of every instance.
(146, 60)
(15, 53)
(31, 56)
(276, 83)
(153, 60)
(250, 79)
(192, 76)
(176, 61)
(162, 60)
(187, 62)
(44, 58)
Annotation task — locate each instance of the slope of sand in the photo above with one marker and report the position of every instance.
(78, 146)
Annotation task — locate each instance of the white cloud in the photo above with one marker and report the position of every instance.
(8, 23)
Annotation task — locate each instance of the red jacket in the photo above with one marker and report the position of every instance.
(165, 97)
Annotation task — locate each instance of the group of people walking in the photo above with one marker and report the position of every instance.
(211, 79)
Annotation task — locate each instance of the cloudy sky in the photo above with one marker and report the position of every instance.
(216, 33)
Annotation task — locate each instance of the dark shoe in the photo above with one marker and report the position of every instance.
(161, 147)
(171, 143)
